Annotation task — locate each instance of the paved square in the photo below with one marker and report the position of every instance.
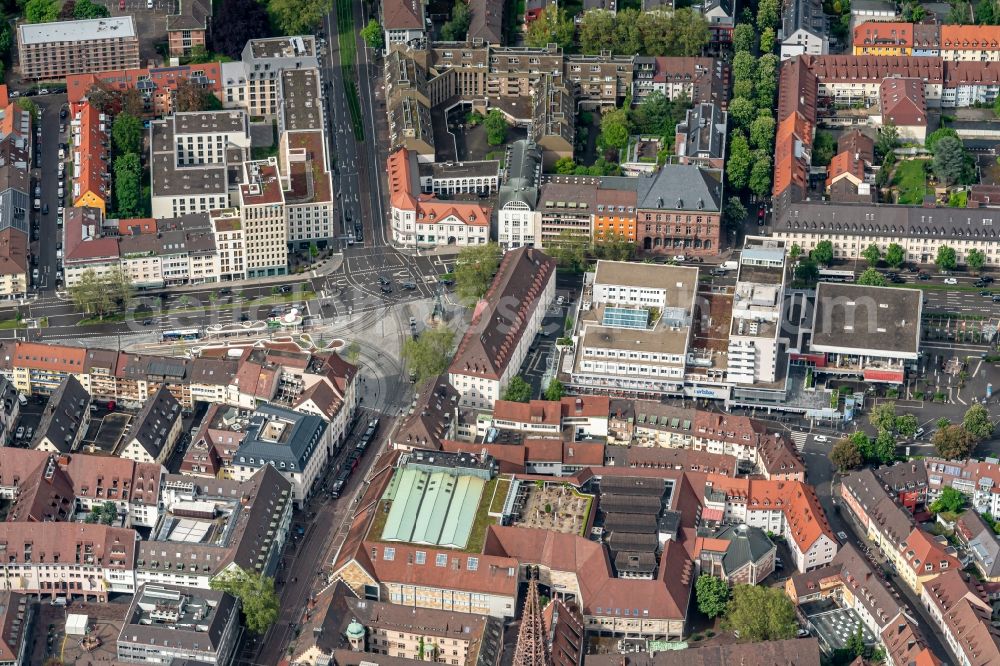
(835, 627)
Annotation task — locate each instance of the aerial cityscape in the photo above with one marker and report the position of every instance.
(500, 332)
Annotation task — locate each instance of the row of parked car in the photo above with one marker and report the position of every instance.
(351, 461)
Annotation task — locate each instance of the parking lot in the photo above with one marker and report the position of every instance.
(27, 422)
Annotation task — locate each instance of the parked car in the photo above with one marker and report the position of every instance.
(19, 433)
(950, 280)
(923, 276)
(680, 257)
(918, 432)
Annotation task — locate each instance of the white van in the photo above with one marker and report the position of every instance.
(23, 399)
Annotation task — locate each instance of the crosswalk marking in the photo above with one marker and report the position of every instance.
(800, 439)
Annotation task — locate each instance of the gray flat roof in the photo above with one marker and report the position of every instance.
(77, 31)
(203, 122)
(851, 317)
(302, 106)
(673, 279)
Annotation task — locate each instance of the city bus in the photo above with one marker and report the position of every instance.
(181, 334)
(828, 275)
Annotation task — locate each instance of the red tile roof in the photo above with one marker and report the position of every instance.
(903, 103)
(970, 37)
(428, 208)
(878, 34)
(89, 174)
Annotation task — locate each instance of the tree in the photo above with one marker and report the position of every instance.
(824, 148)
(761, 613)
(895, 255)
(768, 13)
(41, 11)
(884, 447)
(950, 500)
(865, 444)
(564, 166)
(744, 37)
(845, 455)
(946, 258)
(767, 40)
(743, 67)
(496, 127)
(243, 20)
(658, 115)
(937, 135)
(688, 33)
(569, 249)
(373, 34)
(856, 643)
(100, 295)
(794, 252)
(654, 28)
(518, 390)
(296, 17)
(871, 278)
(872, 254)
(28, 106)
(555, 390)
(551, 27)
(126, 131)
(734, 213)
(887, 141)
(951, 162)
(615, 129)
(615, 247)
(86, 9)
(738, 166)
(975, 259)
(192, 96)
(883, 416)
(823, 253)
(807, 271)
(906, 425)
(456, 29)
(628, 39)
(712, 594)
(742, 112)
(743, 89)
(977, 423)
(597, 31)
(128, 186)
(953, 442)
(428, 355)
(256, 594)
(474, 270)
(760, 173)
(762, 132)
(67, 11)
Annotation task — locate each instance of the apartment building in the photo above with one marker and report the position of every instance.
(403, 21)
(566, 205)
(180, 251)
(883, 38)
(91, 154)
(258, 518)
(175, 623)
(54, 50)
(263, 62)
(230, 240)
(701, 137)
(633, 329)
(65, 419)
(187, 30)
(423, 220)
(157, 86)
(963, 616)
(804, 29)
(13, 263)
(758, 300)
(67, 560)
(191, 155)
(506, 322)
(17, 617)
(701, 80)
(155, 430)
(614, 217)
(265, 222)
(970, 43)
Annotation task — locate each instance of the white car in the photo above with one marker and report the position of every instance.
(679, 257)
(842, 536)
(821, 438)
(950, 281)
(918, 432)
(43, 91)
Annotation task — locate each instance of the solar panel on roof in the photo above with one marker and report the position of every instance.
(145, 85)
(634, 318)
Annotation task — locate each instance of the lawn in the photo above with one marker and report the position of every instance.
(910, 180)
(8, 324)
(499, 496)
(477, 537)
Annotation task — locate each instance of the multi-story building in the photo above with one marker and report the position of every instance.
(565, 207)
(155, 429)
(883, 38)
(403, 21)
(447, 179)
(506, 321)
(91, 152)
(738, 554)
(633, 329)
(191, 155)
(66, 560)
(17, 617)
(55, 50)
(698, 79)
(297, 445)
(187, 30)
(615, 214)
(230, 240)
(265, 224)
(65, 419)
(517, 221)
(804, 29)
(420, 220)
(758, 300)
(963, 617)
(177, 251)
(157, 86)
(263, 62)
(701, 137)
(13, 263)
(166, 622)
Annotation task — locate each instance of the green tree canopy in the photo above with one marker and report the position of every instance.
(41, 11)
(888, 139)
(555, 390)
(688, 33)
(475, 267)
(845, 455)
(428, 355)
(744, 65)
(871, 278)
(734, 213)
(949, 500)
(257, 597)
(884, 447)
(807, 271)
(760, 173)
(551, 27)
(738, 166)
(761, 613)
(872, 254)
(931, 141)
(883, 416)
(86, 9)
(895, 255)
(762, 132)
(712, 594)
(946, 258)
(496, 127)
(824, 148)
(768, 13)
(456, 29)
(742, 111)
(744, 37)
(373, 35)
(128, 186)
(100, 295)
(597, 31)
(615, 129)
(767, 40)
(953, 442)
(906, 425)
(977, 422)
(823, 253)
(951, 164)
(517, 390)
(975, 259)
(126, 131)
(297, 17)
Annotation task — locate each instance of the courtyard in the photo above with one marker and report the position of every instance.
(556, 507)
